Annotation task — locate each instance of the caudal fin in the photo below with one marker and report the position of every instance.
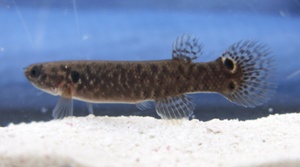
(258, 73)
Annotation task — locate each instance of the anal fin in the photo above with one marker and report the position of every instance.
(175, 108)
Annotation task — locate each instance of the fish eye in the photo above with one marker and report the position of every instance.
(228, 64)
(34, 72)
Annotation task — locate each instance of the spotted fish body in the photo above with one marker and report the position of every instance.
(243, 74)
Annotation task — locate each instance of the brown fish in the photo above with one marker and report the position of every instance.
(243, 74)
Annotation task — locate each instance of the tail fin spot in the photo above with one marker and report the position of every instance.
(228, 64)
(231, 86)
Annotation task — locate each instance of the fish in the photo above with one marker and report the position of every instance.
(244, 74)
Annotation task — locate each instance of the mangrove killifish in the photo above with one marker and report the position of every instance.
(244, 74)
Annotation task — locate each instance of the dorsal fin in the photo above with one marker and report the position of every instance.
(186, 47)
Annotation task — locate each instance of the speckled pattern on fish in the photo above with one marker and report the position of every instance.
(244, 74)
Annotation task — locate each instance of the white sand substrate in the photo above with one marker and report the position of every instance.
(145, 141)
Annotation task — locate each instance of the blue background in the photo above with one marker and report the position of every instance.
(43, 30)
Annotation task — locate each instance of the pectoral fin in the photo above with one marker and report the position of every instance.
(64, 106)
(178, 107)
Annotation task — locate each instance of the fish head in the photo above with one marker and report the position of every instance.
(46, 77)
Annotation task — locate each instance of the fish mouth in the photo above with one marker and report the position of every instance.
(26, 72)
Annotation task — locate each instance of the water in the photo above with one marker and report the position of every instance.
(38, 31)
